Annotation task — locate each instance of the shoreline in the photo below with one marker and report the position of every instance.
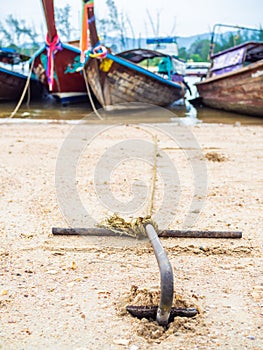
(65, 291)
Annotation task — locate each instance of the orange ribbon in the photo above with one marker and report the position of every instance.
(84, 43)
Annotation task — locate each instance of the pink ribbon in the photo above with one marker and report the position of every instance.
(52, 47)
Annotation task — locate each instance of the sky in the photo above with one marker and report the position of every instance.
(176, 18)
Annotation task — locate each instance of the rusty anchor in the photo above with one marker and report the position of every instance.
(164, 313)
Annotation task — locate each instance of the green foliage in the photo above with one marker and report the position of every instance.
(152, 62)
(182, 53)
(195, 57)
(199, 50)
(14, 33)
(227, 40)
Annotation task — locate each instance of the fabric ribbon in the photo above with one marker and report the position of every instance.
(84, 43)
(98, 51)
(52, 46)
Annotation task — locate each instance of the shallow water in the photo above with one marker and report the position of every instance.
(52, 111)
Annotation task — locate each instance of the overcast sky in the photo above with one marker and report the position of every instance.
(180, 18)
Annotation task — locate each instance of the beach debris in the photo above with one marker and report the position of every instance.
(73, 265)
(215, 157)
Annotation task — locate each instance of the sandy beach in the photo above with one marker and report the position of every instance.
(59, 292)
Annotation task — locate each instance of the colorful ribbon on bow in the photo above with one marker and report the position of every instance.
(84, 42)
(52, 46)
(98, 51)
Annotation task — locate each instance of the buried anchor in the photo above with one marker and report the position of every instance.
(164, 313)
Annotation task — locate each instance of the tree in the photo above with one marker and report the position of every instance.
(200, 50)
(116, 23)
(233, 38)
(63, 23)
(16, 32)
(182, 53)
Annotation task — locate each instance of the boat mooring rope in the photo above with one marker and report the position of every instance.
(136, 227)
(24, 91)
(90, 97)
(154, 176)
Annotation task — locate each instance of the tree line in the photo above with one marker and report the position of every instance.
(199, 50)
(15, 33)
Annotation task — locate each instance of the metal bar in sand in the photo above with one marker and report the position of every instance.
(162, 233)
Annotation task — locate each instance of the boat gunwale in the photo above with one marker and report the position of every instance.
(16, 74)
(237, 47)
(154, 53)
(228, 74)
(133, 66)
(43, 48)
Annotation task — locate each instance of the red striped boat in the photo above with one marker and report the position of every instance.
(57, 65)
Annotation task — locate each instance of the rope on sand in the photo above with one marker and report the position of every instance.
(154, 177)
(136, 227)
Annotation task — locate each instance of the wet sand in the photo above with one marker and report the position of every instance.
(61, 292)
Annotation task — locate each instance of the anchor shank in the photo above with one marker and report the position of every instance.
(166, 276)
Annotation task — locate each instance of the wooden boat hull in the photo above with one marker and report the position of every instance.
(12, 85)
(69, 84)
(115, 80)
(239, 91)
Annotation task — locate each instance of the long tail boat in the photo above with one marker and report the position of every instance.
(13, 80)
(117, 79)
(57, 64)
(235, 80)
